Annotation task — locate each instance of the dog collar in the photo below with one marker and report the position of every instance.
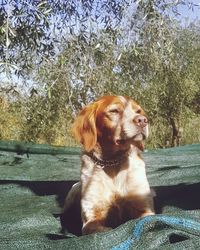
(102, 163)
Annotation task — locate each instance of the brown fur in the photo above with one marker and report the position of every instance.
(112, 126)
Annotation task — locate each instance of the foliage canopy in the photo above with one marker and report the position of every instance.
(75, 51)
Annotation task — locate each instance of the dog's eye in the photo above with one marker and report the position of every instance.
(114, 111)
(138, 111)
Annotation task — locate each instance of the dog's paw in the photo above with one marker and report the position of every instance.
(94, 227)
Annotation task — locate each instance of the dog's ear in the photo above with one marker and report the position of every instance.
(84, 127)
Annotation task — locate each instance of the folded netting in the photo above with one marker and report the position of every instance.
(35, 179)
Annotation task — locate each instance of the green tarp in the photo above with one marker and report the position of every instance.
(36, 178)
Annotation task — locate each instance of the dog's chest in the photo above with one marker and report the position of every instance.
(131, 176)
(109, 181)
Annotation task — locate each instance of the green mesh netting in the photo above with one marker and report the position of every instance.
(36, 178)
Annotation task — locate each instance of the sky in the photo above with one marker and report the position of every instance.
(191, 13)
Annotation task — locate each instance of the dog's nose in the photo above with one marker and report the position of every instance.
(141, 121)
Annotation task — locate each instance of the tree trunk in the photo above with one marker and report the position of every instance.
(175, 133)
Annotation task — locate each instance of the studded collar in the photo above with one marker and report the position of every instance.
(102, 163)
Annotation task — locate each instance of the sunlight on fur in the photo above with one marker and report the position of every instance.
(113, 187)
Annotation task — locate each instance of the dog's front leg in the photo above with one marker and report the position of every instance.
(94, 213)
(95, 204)
(96, 197)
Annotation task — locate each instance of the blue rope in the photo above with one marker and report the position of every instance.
(170, 220)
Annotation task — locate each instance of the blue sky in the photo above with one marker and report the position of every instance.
(192, 13)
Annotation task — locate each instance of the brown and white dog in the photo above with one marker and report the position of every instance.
(113, 187)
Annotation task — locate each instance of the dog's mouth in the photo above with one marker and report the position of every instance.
(137, 137)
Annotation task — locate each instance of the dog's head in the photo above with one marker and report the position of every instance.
(112, 120)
